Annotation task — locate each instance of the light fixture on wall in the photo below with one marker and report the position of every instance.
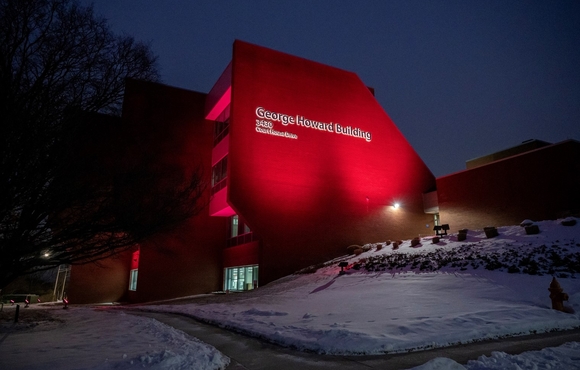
(396, 205)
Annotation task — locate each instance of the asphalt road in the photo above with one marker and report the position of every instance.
(253, 354)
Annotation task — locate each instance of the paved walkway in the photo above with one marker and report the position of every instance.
(253, 354)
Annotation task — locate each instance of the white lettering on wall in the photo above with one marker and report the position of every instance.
(266, 119)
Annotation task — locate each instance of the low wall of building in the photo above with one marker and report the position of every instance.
(540, 184)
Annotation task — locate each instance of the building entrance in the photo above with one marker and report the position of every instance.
(241, 278)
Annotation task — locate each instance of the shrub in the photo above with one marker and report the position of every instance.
(358, 251)
(569, 221)
(532, 229)
(351, 248)
(311, 269)
(415, 242)
(526, 222)
(395, 245)
(490, 232)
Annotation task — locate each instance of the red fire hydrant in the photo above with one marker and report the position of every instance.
(557, 295)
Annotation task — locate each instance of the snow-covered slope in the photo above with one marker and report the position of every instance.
(413, 298)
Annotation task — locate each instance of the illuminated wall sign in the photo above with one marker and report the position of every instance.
(265, 125)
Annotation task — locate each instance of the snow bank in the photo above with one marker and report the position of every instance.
(86, 339)
(564, 357)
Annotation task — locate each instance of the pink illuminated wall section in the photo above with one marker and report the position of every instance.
(315, 162)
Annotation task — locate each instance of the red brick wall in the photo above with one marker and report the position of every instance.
(538, 185)
(164, 127)
(242, 255)
(168, 124)
(107, 281)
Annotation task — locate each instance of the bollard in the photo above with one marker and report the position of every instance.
(342, 265)
(490, 232)
(532, 229)
(16, 313)
(557, 295)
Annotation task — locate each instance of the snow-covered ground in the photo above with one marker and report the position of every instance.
(411, 298)
(83, 338)
(564, 357)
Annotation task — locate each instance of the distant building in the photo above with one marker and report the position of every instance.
(304, 162)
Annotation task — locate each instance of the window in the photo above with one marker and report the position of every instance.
(219, 171)
(234, 226)
(239, 232)
(238, 227)
(134, 270)
(241, 278)
(222, 125)
(133, 280)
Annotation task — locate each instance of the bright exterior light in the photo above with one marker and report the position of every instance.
(396, 205)
(46, 254)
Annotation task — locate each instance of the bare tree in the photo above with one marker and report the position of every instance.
(58, 63)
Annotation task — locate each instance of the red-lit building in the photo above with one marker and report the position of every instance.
(304, 162)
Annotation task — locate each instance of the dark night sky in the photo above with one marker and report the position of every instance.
(460, 79)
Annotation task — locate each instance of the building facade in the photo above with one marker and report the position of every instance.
(535, 180)
(302, 162)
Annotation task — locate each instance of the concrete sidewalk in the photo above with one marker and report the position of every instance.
(253, 354)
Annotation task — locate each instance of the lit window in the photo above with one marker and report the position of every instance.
(241, 278)
(234, 226)
(134, 269)
(219, 171)
(436, 219)
(133, 280)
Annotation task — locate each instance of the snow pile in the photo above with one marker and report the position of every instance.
(412, 298)
(86, 339)
(566, 356)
